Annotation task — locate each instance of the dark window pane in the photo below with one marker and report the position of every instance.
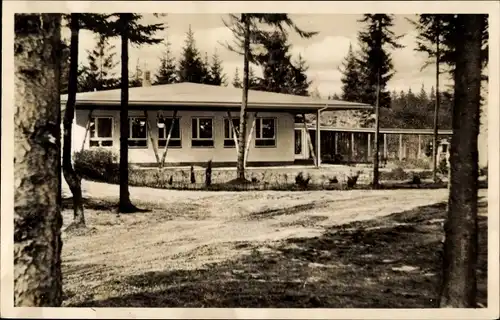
(202, 143)
(267, 128)
(161, 133)
(205, 128)
(107, 143)
(104, 127)
(194, 128)
(229, 143)
(265, 143)
(94, 143)
(227, 128)
(137, 143)
(257, 128)
(138, 128)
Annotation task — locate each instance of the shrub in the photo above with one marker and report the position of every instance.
(97, 164)
(443, 166)
(301, 181)
(395, 174)
(352, 180)
(416, 179)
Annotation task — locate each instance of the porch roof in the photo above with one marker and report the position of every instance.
(195, 96)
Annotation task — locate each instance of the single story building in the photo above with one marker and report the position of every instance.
(204, 119)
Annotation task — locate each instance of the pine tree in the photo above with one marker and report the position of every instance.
(351, 78)
(167, 72)
(205, 70)
(299, 84)
(190, 67)
(253, 80)
(236, 80)
(98, 75)
(217, 73)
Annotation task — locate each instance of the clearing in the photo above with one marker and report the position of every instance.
(329, 249)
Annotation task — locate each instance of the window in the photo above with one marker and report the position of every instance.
(163, 129)
(137, 133)
(202, 132)
(101, 132)
(265, 132)
(228, 132)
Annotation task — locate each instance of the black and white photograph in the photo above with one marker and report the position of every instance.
(250, 159)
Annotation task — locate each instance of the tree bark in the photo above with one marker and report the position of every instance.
(249, 139)
(153, 141)
(308, 139)
(233, 129)
(240, 168)
(376, 140)
(125, 205)
(37, 161)
(87, 128)
(460, 249)
(70, 175)
(436, 112)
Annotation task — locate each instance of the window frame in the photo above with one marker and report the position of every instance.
(130, 138)
(231, 137)
(275, 123)
(165, 133)
(197, 138)
(101, 139)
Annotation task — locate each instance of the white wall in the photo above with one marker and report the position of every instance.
(284, 150)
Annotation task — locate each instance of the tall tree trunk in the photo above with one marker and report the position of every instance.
(240, 168)
(70, 175)
(460, 250)
(436, 112)
(37, 161)
(124, 205)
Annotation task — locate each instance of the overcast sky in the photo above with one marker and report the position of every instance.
(323, 53)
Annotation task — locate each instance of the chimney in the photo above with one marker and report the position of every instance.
(146, 81)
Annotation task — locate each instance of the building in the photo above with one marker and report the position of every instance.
(204, 119)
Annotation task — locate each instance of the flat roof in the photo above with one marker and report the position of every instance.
(196, 96)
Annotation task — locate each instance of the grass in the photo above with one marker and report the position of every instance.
(387, 262)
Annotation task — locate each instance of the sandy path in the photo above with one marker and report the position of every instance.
(192, 228)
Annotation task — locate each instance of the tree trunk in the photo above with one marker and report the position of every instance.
(249, 139)
(240, 168)
(460, 250)
(376, 140)
(87, 128)
(151, 138)
(124, 205)
(70, 175)
(162, 164)
(436, 113)
(37, 161)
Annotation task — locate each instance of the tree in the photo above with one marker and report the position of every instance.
(190, 66)
(129, 29)
(37, 161)
(217, 73)
(135, 80)
(167, 72)
(245, 30)
(236, 80)
(377, 70)
(351, 78)
(460, 250)
(299, 84)
(99, 75)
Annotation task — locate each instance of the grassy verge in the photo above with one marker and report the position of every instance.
(389, 262)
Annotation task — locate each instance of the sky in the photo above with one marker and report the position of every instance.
(323, 53)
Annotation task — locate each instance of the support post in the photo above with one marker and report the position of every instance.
(385, 146)
(153, 142)
(400, 147)
(87, 129)
(168, 139)
(318, 139)
(249, 140)
(335, 137)
(369, 153)
(308, 138)
(419, 146)
(352, 146)
(233, 129)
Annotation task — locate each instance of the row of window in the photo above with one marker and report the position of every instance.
(202, 132)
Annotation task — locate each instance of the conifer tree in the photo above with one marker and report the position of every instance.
(236, 80)
(216, 71)
(190, 67)
(298, 82)
(167, 72)
(351, 78)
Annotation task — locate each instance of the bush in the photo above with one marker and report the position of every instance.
(301, 181)
(352, 180)
(395, 174)
(443, 166)
(97, 164)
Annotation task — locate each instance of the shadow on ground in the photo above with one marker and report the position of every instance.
(97, 204)
(390, 262)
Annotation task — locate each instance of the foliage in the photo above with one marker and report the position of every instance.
(191, 67)
(97, 164)
(302, 181)
(351, 78)
(167, 71)
(98, 74)
(217, 76)
(375, 61)
(236, 80)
